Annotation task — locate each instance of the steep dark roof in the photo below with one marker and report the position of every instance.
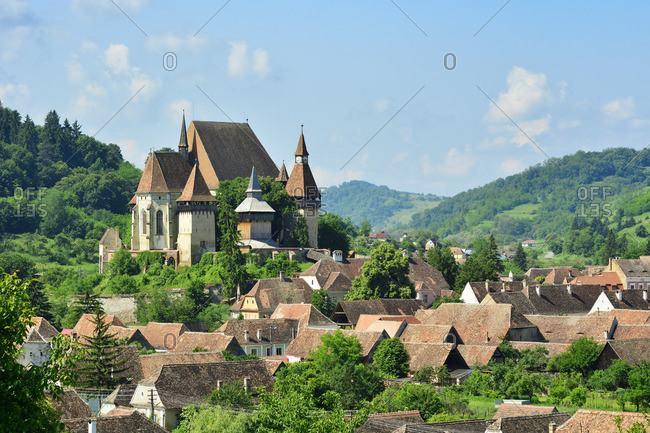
(632, 350)
(134, 422)
(178, 385)
(182, 142)
(551, 300)
(231, 149)
(301, 150)
(210, 341)
(529, 424)
(164, 172)
(630, 299)
(434, 355)
(271, 292)
(431, 278)
(44, 328)
(324, 267)
(389, 422)
(278, 331)
(634, 267)
(151, 363)
(482, 288)
(283, 176)
(301, 183)
(506, 410)
(195, 188)
(71, 405)
(348, 312)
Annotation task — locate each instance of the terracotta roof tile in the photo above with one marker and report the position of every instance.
(348, 312)
(630, 299)
(260, 331)
(309, 339)
(195, 189)
(599, 421)
(610, 280)
(282, 176)
(432, 279)
(151, 363)
(434, 355)
(632, 351)
(164, 172)
(44, 328)
(530, 424)
(210, 341)
(135, 422)
(506, 410)
(476, 354)
(566, 329)
(430, 334)
(301, 183)
(306, 314)
(626, 317)
(85, 326)
(71, 405)
(162, 336)
(626, 332)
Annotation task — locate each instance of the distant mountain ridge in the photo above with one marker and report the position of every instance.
(544, 199)
(383, 207)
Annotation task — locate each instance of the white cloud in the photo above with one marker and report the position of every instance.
(90, 98)
(261, 63)
(239, 62)
(12, 9)
(117, 58)
(176, 110)
(103, 6)
(512, 166)
(132, 152)
(455, 163)
(13, 92)
(88, 46)
(568, 124)
(619, 108)
(525, 91)
(380, 105)
(326, 177)
(533, 128)
(174, 42)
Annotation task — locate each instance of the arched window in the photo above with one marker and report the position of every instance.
(159, 222)
(144, 222)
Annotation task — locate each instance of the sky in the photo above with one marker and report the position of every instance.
(422, 96)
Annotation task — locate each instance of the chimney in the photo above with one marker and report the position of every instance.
(551, 427)
(537, 289)
(338, 255)
(568, 289)
(92, 426)
(259, 334)
(609, 266)
(487, 286)
(645, 295)
(503, 286)
(246, 336)
(511, 277)
(281, 275)
(619, 295)
(605, 335)
(293, 333)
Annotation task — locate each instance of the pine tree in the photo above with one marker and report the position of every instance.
(232, 271)
(301, 233)
(443, 261)
(647, 249)
(102, 360)
(610, 246)
(50, 139)
(520, 258)
(28, 136)
(490, 259)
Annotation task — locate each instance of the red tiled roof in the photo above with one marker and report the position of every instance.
(506, 410)
(600, 421)
(162, 336)
(566, 329)
(626, 317)
(196, 189)
(85, 326)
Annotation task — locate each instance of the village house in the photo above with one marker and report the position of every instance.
(549, 299)
(625, 316)
(530, 243)
(162, 336)
(268, 293)
(567, 329)
(459, 255)
(538, 423)
(482, 324)
(621, 300)
(306, 314)
(175, 386)
(436, 355)
(381, 236)
(262, 337)
(631, 351)
(633, 273)
(309, 339)
(124, 420)
(430, 244)
(207, 341)
(508, 410)
(606, 280)
(35, 349)
(346, 313)
(474, 292)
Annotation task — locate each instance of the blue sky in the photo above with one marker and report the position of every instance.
(572, 75)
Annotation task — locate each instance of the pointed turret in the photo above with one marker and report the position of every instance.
(253, 203)
(182, 143)
(301, 184)
(196, 190)
(302, 147)
(283, 177)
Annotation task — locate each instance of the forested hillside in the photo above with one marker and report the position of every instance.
(544, 200)
(60, 189)
(383, 207)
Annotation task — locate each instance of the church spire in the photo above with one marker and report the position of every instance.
(182, 143)
(254, 189)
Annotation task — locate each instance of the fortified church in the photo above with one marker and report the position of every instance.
(174, 208)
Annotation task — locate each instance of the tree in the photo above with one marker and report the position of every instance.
(443, 261)
(281, 263)
(230, 259)
(322, 301)
(578, 358)
(332, 233)
(392, 358)
(208, 419)
(384, 276)
(520, 258)
(365, 227)
(103, 358)
(301, 233)
(87, 304)
(24, 403)
(231, 394)
(491, 259)
(411, 396)
(122, 263)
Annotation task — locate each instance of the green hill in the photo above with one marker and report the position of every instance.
(383, 207)
(543, 201)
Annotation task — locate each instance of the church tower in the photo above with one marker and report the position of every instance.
(183, 147)
(196, 220)
(255, 217)
(301, 186)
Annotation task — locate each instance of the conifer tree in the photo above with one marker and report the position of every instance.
(520, 257)
(102, 360)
